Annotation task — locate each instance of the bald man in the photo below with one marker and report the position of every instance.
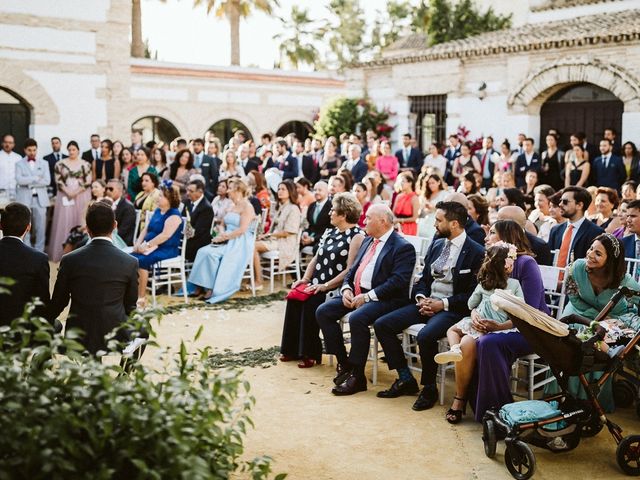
(538, 246)
(471, 228)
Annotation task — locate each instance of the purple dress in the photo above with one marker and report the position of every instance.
(496, 352)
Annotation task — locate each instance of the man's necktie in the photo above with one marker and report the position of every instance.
(563, 255)
(441, 261)
(57, 157)
(363, 264)
(606, 161)
(316, 213)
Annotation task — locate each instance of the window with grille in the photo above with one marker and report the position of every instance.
(430, 113)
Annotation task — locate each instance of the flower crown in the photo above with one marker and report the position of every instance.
(167, 184)
(512, 253)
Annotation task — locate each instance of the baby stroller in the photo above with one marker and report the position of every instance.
(558, 422)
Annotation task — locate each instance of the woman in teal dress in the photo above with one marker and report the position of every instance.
(219, 267)
(591, 282)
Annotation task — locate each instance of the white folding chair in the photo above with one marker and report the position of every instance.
(271, 271)
(248, 271)
(633, 267)
(421, 246)
(170, 271)
(136, 227)
(555, 254)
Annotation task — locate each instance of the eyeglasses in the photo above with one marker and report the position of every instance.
(565, 201)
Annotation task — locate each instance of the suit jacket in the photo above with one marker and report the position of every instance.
(521, 168)
(316, 229)
(29, 268)
(290, 167)
(414, 161)
(475, 231)
(126, 218)
(612, 176)
(629, 244)
(251, 165)
(210, 171)
(102, 283)
(541, 249)
(492, 166)
(465, 274)
(310, 169)
(88, 155)
(581, 242)
(393, 269)
(51, 160)
(37, 179)
(201, 220)
(359, 170)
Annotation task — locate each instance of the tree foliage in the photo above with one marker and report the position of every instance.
(347, 115)
(296, 39)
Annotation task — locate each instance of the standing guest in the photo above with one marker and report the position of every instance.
(435, 160)
(180, 171)
(505, 160)
(485, 157)
(318, 218)
(377, 283)
(106, 166)
(606, 202)
(142, 165)
(631, 160)
(160, 238)
(330, 161)
(612, 135)
(244, 158)
(552, 164)
(253, 155)
(124, 211)
(219, 267)
(32, 179)
(451, 153)
(372, 154)
(27, 267)
(362, 195)
(8, 161)
(126, 161)
(209, 166)
(230, 167)
(478, 209)
(409, 158)
(526, 161)
(464, 164)
(608, 168)
(387, 164)
(148, 198)
(199, 213)
(285, 163)
(54, 157)
(282, 236)
(325, 272)
(441, 299)
(577, 168)
(308, 164)
(98, 190)
(540, 248)
(118, 146)
(358, 166)
(94, 152)
(305, 196)
(574, 237)
(136, 140)
(159, 161)
(101, 265)
(632, 241)
(406, 207)
(73, 177)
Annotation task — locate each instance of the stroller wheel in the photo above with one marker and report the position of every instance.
(628, 455)
(489, 437)
(520, 460)
(624, 393)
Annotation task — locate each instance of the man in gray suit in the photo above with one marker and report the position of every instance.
(32, 179)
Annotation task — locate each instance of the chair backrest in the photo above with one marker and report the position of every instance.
(420, 244)
(555, 257)
(633, 267)
(183, 243)
(136, 227)
(554, 280)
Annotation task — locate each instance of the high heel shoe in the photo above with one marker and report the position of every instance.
(308, 363)
(454, 416)
(286, 358)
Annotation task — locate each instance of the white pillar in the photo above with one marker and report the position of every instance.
(630, 126)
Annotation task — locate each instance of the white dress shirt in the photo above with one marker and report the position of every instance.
(8, 171)
(576, 226)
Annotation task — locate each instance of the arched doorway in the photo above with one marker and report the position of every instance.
(156, 128)
(303, 130)
(225, 129)
(15, 118)
(582, 107)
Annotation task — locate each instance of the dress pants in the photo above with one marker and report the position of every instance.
(388, 328)
(38, 225)
(328, 316)
(300, 333)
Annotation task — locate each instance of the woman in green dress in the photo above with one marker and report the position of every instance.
(143, 165)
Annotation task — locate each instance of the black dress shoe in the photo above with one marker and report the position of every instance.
(426, 400)
(342, 373)
(399, 388)
(350, 386)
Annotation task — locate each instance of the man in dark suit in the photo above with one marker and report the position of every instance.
(451, 153)
(539, 247)
(611, 134)
(26, 266)
(317, 216)
(100, 280)
(377, 283)
(441, 295)
(54, 157)
(124, 211)
(409, 158)
(587, 146)
(572, 239)
(310, 169)
(285, 162)
(608, 169)
(631, 242)
(487, 165)
(201, 218)
(355, 164)
(471, 227)
(246, 163)
(527, 160)
(94, 152)
(208, 168)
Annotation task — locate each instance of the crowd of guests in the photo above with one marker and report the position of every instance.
(490, 218)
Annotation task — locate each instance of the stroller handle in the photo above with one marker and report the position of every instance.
(622, 292)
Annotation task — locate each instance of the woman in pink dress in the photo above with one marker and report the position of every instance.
(73, 178)
(387, 163)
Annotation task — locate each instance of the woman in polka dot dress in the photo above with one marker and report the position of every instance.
(336, 251)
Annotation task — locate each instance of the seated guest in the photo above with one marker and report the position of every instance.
(628, 190)
(124, 210)
(98, 190)
(573, 238)
(300, 334)
(406, 206)
(180, 171)
(540, 215)
(441, 299)
(160, 239)
(377, 283)
(361, 192)
(219, 267)
(198, 211)
(357, 166)
(606, 202)
(632, 241)
(387, 163)
(142, 165)
(283, 233)
(305, 196)
(478, 209)
(26, 266)
(539, 247)
(106, 166)
(472, 229)
(97, 263)
(147, 199)
(230, 166)
(317, 216)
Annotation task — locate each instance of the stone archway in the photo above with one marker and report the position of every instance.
(43, 109)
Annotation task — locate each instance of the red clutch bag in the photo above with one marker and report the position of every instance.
(298, 293)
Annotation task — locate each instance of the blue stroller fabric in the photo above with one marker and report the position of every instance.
(528, 411)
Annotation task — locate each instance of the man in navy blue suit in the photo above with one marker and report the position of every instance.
(441, 295)
(608, 169)
(573, 238)
(451, 153)
(527, 160)
(632, 242)
(409, 158)
(286, 163)
(377, 283)
(54, 157)
(357, 165)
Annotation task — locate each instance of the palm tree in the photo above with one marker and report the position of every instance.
(297, 47)
(233, 10)
(137, 45)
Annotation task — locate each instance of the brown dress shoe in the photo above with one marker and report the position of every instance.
(351, 385)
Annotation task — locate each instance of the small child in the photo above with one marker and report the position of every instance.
(494, 274)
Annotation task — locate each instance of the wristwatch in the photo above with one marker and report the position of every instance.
(367, 298)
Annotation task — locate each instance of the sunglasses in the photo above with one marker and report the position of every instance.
(565, 201)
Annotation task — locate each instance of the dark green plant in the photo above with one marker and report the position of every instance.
(71, 416)
(350, 115)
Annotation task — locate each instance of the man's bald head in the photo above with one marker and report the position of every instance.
(379, 220)
(457, 197)
(511, 212)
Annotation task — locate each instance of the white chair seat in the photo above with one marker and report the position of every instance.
(271, 254)
(308, 250)
(170, 262)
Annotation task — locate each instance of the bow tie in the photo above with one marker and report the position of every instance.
(31, 159)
